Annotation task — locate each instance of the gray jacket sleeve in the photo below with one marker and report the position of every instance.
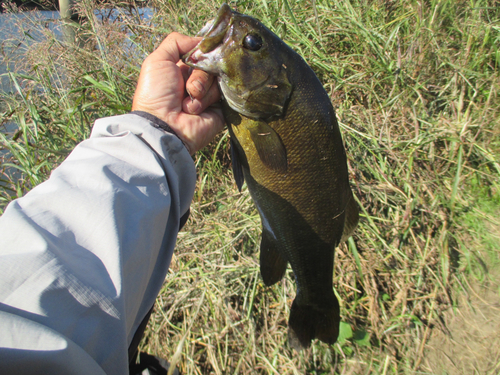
(84, 254)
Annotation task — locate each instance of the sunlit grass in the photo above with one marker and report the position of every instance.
(415, 85)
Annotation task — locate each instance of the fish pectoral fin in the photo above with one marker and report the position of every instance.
(269, 146)
(236, 165)
(351, 219)
(272, 263)
(308, 322)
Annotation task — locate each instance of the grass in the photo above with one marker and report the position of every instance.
(415, 85)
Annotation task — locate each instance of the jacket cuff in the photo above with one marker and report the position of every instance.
(158, 124)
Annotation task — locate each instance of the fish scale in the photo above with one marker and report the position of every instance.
(287, 146)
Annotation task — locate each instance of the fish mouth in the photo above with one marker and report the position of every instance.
(213, 34)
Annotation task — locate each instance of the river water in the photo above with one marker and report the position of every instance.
(12, 37)
(16, 31)
(11, 33)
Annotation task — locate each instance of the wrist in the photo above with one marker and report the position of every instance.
(160, 124)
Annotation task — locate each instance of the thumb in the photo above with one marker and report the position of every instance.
(173, 47)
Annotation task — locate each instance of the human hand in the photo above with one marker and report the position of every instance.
(161, 91)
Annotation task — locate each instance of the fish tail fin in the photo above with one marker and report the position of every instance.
(308, 322)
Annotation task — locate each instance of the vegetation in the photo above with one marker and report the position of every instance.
(415, 85)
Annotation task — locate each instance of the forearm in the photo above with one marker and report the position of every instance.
(84, 254)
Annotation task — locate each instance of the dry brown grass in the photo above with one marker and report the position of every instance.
(415, 85)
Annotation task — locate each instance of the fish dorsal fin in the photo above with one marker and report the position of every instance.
(272, 263)
(236, 164)
(351, 218)
(269, 146)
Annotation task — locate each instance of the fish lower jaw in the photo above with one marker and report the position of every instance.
(208, 62)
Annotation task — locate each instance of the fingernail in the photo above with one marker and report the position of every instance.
(194, 107)
(198, 86)
(191, 96)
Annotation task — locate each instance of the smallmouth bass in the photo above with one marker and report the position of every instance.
(287, 146)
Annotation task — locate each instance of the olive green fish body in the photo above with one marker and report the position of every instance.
(287, 146)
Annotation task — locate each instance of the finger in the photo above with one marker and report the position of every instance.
(173, 47)
(199, 83)
(217, 123)
(197, 106)
(198, 131)
(185, 70)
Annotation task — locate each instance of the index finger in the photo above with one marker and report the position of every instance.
(198, 83)
(173, 47)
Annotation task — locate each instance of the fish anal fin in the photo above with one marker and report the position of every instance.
(272, 263)
(269, 146)
(308, 322)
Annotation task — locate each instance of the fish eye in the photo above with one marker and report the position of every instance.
(252, 42)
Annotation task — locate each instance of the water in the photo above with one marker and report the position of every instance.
(13, 35)
(13, 30)
(26, 28)
(19, 30)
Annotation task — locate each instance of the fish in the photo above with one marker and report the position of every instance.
(286, 145)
